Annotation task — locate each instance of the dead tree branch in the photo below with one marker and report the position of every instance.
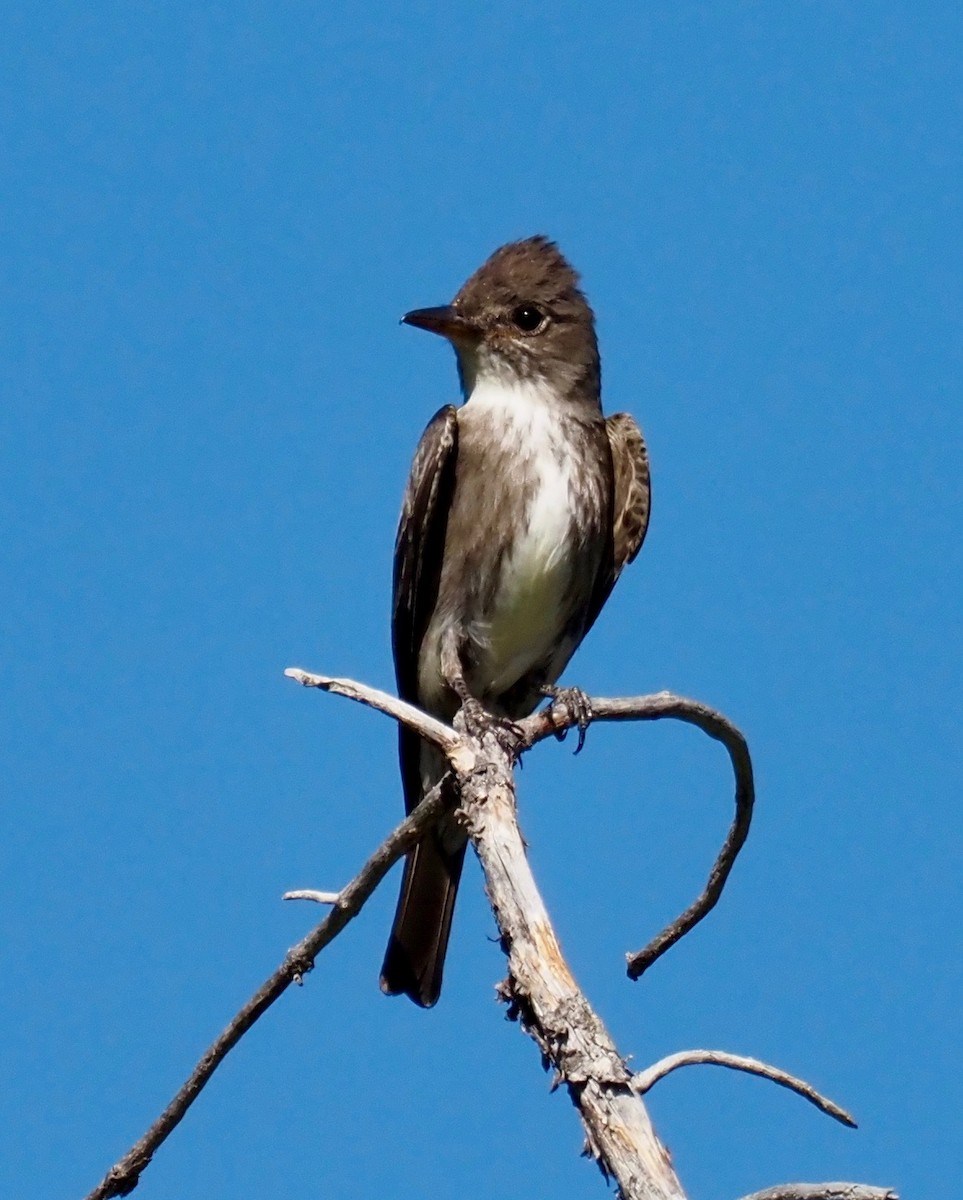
(124, 1176)
(543, 996)
(642, 1081)
(823, 1191)
(540, 990)
(457, 748)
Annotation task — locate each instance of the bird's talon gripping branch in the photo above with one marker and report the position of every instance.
(479, 721)
(578, 705)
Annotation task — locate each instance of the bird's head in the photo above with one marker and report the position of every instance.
(521, 316)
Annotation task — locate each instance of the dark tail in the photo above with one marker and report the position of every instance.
(415, 958)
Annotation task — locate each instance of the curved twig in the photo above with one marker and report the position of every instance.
(643, 1080)
(558, 717)
(123, 1177)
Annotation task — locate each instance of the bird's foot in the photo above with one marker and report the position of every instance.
(479, 721)
(578, 705)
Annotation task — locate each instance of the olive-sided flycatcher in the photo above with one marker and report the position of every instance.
(522, 507)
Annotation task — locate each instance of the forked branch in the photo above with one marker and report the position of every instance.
(124, 1176)
(540, 990)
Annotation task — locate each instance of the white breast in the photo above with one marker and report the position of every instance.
(524, 624)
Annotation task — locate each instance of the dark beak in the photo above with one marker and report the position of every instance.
(444, 320)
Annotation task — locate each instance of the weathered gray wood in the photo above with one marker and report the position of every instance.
(542, 993)
(823, 1191)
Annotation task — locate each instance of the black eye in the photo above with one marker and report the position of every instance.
(527, 317)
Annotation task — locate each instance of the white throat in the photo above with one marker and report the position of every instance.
(511, 397)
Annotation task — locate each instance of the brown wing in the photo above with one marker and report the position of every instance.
(415, 957)
(630, 506)
(420, 545)
(630, 501)
(632, 492)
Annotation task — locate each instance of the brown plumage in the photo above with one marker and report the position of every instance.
(632, 494)
(521, 510)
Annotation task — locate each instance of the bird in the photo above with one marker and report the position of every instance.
(522, 507)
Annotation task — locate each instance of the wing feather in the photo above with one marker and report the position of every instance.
(415, 957)
(632, 498)
(419, 551)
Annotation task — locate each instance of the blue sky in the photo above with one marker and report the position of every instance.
(213, 216)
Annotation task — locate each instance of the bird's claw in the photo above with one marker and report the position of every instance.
(479, 721)
(578, 705)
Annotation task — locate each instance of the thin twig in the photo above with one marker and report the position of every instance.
(123, 1177)
(823, 1191)
(311, 894)
(454, 745)
(643, 1080)
(558, 717)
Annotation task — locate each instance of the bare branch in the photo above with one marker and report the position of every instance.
(644, 1080)
(456, 748)
(823, 1191)
(311, 894)
(124, 1176)
(657, 707)
(540, 990)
